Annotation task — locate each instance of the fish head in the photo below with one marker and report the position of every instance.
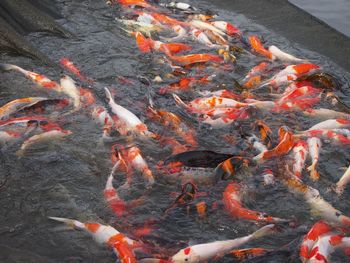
(186, 255)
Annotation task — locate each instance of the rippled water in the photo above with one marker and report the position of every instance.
(67, 177)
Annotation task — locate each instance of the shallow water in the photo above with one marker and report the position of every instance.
(67, 178)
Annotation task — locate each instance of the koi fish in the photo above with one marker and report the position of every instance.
(174, 122)
(257, 70)
(335, 135)
(300, 151)
(204, 252)
(217, 38)
(208, 103)
(41, 80)
(106, 235)
(226, 27)
(256, 144)
(68, 87)
(167, 20)
(285, 145)
(143, 27)
(126, 118)
(226, 117)
(269, 178)
(17, 105)
(343, 181)
(233, 205)
(258, 47)
(247, 253)
(202, 38)
(196, 58)
(229, 167)
(314, 144)
(223, 93)
(206, 26)
(326, 245)
(72, 68)
(298, 92)
(289, 74)
(182, 85)
(45, 136)
(326, 114)
(101, 116)
(179, 30)
(317, 230)
(141, 3)
(132, 158)
(7, 136)
(188, 193)
(265, 132)
(331, 124)
(283, 56)
(179, 5)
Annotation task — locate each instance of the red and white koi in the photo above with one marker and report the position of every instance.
(257, 70)
(289, 74)
(126, 119)
(331, 124)
(314, 145)
(283, 56)
(45, 136)
(300, 151)
(341, 136)
(319, 229)
(17, 105)
(297, 93)
(224, 116)
(233, 205)
(343, 181)
(204, 252)
(226, 27)
(106, 235)
(72, 68)
(68, 87)
(326, 245)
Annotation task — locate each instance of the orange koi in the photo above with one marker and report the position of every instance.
(196, 58)
(72, 68)
(258, 47)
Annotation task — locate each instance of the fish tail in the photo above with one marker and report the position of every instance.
(8, 67)
(108, 94)
(266, 230)
(69, 222)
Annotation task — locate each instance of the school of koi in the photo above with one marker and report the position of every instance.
(280, 83)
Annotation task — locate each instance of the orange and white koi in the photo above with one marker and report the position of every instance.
(17, 105)
(258, 47)
(206, 26)
(209, 103)
(226, 117)
(72, 68)
(106, 235)
(128, 120)
(326, 245)
(289, 74)
(68, 87)
(343, 181)
(226, 27)
(283, 56)
(174, 122)
(41, 80)
(45, 136)
(319, 229)
(233, 205)
(202, 38)
(257, 70)
(285, 145)
(326, 114)
(179, 30)
(132, 159)
(204, 252)
(331, 124)
(314, 145)
(167, 20)
(196, 58)
(300, 151)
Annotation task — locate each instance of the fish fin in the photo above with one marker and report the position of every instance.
(109, 95)
(7, 67)
(265, 230)
(69, 222)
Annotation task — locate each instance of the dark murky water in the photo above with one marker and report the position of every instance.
(67, 177)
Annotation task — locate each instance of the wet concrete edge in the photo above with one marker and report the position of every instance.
(295, 24)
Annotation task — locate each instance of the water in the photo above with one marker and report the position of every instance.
(66, 178)
(335, 13)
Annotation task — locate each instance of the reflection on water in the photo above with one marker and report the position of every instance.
(335, 13)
